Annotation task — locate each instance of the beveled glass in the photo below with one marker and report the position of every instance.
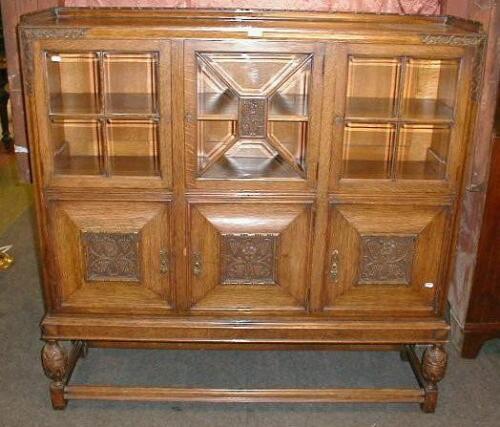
(133, 147)
(77, 147)
(130, 82)
(423, 152)
(253, 114)
(368, 150)
(73, 82)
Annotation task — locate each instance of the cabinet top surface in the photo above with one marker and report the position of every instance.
(315, 24)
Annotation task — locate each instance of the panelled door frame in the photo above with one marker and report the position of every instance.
(458, 136)
(111, 257)
(415, 248)
(191, 47)
(164, 78)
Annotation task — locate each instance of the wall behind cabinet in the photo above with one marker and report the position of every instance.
(427, 7)
(11, 11)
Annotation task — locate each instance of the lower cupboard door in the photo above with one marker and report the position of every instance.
(249, 257)
(111, 257)
(386, 260)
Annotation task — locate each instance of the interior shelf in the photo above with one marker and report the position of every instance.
(250, 168)
(75, 103)
(217, 106)
(369, 108)
(414, 110)
(428, 110)
(289, 107)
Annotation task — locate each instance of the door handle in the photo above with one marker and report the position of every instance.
(164, 261)
(334, 266)
(197, 264)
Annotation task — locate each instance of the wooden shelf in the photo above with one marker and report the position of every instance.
(421, 170)
(250, 168)
(119, 165)
(134, 166)
(366, 169)
(427, 110)
(89, 104)
(215, 106)
(77, 165)
(130, 103)
(370, 108)
(288, 108)
(75, 103)
(224, 107)
(414, 110)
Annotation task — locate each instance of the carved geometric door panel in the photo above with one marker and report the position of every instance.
(385, 259)
(249, 257)
(112, 257)
(250, 111)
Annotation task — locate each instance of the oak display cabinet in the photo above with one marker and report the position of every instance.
(263, 180)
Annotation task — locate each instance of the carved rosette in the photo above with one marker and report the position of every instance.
(54, 361)
(248, 258)
(434, 362)
(386, 259)
(30, 35)
(111, 256)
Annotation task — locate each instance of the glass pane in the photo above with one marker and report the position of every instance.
(77, 147)
(423, 152)
(252, 114)
(215, 99)
(252, 73)
(73, 83)
(372, 87)
(430, 89)
(290, 102)
(215, 135)
(292, 136)
(130, 82)
(368, 150)
(133, 147)
(250, 159)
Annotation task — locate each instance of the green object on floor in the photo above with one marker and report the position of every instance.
(15, 197)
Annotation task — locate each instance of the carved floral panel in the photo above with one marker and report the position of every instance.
(253, 117)
(386, 259)
(111, 256)
(248, 258)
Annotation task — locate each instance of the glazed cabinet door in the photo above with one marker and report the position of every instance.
(111, 257)
(400, 118)
(249, 257)
(252, 114)
(385, 260)
(103, 111)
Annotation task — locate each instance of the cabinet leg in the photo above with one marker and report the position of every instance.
(55, 361)
(434, 362)
(472, 344)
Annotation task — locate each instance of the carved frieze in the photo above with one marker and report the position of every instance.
(464, 40)
(111, 256)
(249, 258)
(29, 35)
(386, 259)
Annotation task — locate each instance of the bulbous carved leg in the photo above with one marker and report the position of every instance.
(434, 362)
(55, 364)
